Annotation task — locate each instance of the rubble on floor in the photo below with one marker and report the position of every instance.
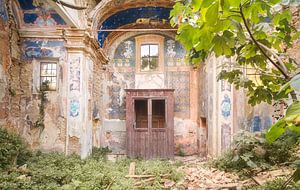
(199, 176)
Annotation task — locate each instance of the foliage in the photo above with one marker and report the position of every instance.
(43, 96)
(12, 150)
(100, 153)
(289, 122)
(273, 185)
(251, 151)
(57, 171)
(256, 33)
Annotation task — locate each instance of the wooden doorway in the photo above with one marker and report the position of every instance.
(150, 123)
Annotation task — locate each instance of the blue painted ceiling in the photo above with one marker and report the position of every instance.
(129, 16)
(32, 12)
(26, 4)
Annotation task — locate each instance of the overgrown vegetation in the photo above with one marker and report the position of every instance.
(251, 151)
(274, 185)
(43, 97)
(57, 171)
(12, 150)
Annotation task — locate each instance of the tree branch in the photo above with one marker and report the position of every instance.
(259, 47)
(275, 55)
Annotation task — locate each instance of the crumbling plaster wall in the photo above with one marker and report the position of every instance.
(122, 74)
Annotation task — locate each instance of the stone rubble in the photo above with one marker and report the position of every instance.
(199, 176)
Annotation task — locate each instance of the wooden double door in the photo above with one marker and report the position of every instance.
(150, 123)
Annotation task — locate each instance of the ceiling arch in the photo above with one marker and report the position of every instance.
(101, 14)
(130, 16)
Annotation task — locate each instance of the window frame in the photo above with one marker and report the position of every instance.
(150, 40)
(41, 63)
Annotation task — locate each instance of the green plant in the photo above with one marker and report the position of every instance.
(12, 150)
(181, 151)
(57, 171)
(100, 153)
(251, 151)
(253, 32)
(43, 96)
(273, 185)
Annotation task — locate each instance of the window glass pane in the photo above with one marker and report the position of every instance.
(141, 113)
(144, 51)
(158, 114)
(153, 50)
(153, 63)
(145, 64)
(48, 75)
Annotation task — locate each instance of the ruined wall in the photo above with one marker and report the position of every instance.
(122, 74)
(5, 62)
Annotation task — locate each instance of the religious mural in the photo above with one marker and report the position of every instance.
(74, 86)
(3, 11)
(125, 57)
(40, 14)
(38, 48)
(131, 15)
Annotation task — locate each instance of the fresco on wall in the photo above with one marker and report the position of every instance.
(74, 108)
(119, 81)
(225, 86)
(42, 48)
(75, 74)
(40, 14)
(125, 54)
(3, 11)
(131, 15)
(226, 136)
(74, 85)
(226, 106)
(174, 53)
(180, 81)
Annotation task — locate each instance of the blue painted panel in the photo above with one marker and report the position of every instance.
(26, 4)
(42, 48)
(31, 18)
(58, 19)
(3, 11)
(256, 124)
(130, 16)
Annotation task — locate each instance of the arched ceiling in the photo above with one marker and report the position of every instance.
(113, 14)
(42, 15)
(131, 15)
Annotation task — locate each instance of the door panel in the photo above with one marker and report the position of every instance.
(149, 123)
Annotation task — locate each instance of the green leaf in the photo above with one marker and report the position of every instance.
(212, 13)
(234, 3)
(295, 83)
(294, 128)
(276, 131)
(292, 112)
(196, 5)
(207, 3)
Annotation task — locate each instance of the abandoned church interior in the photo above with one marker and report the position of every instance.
(115, 77)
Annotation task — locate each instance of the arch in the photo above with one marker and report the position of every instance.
(107, 8)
